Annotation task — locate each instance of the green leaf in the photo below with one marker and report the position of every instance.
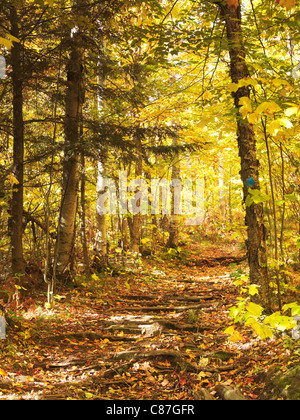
(249, 200)
(291, 197)
(256, 196)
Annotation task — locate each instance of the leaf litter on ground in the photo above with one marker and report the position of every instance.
(156, 335)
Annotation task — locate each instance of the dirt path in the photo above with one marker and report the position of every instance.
(156, 334)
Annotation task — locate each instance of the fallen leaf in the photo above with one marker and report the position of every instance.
(201, 375)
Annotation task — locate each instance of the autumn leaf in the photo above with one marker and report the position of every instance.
(263, 331)
(269, 108)
(234, 334)
(201, 375)
(12, 180)
(8, 43)
(288, 4)
(254, 309)
(229, 330)
(253, 289)
(246, 106)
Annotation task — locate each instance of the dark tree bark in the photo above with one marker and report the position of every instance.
(256, 241)
(18, 266)
(74, 102)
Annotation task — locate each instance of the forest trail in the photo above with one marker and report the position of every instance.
(157, 333)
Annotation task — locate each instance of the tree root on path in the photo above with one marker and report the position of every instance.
(175, 357)
(173, 298)
(156, 327)
(164, 308)
(215, 261)
(88, 335)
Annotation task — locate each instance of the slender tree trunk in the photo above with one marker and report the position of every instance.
(230, 198)
(18, 149)
(221, 191)
(74, 102)
(100, 247)
(270, 233)
(256, 242)
(175, 202)
(264, 124)
(50, 281)
(83, 217)
(283, 205)
(136, 218)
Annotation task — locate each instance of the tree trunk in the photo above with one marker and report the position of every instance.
(83, 216)
(136, 218)
(74, 102)
(18, 149)
(230, 198)
(283, 204)
(256, 241)
(175, 202)
(221, 191)
(100, 247)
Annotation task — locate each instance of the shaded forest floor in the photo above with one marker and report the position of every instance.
(156, 332)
